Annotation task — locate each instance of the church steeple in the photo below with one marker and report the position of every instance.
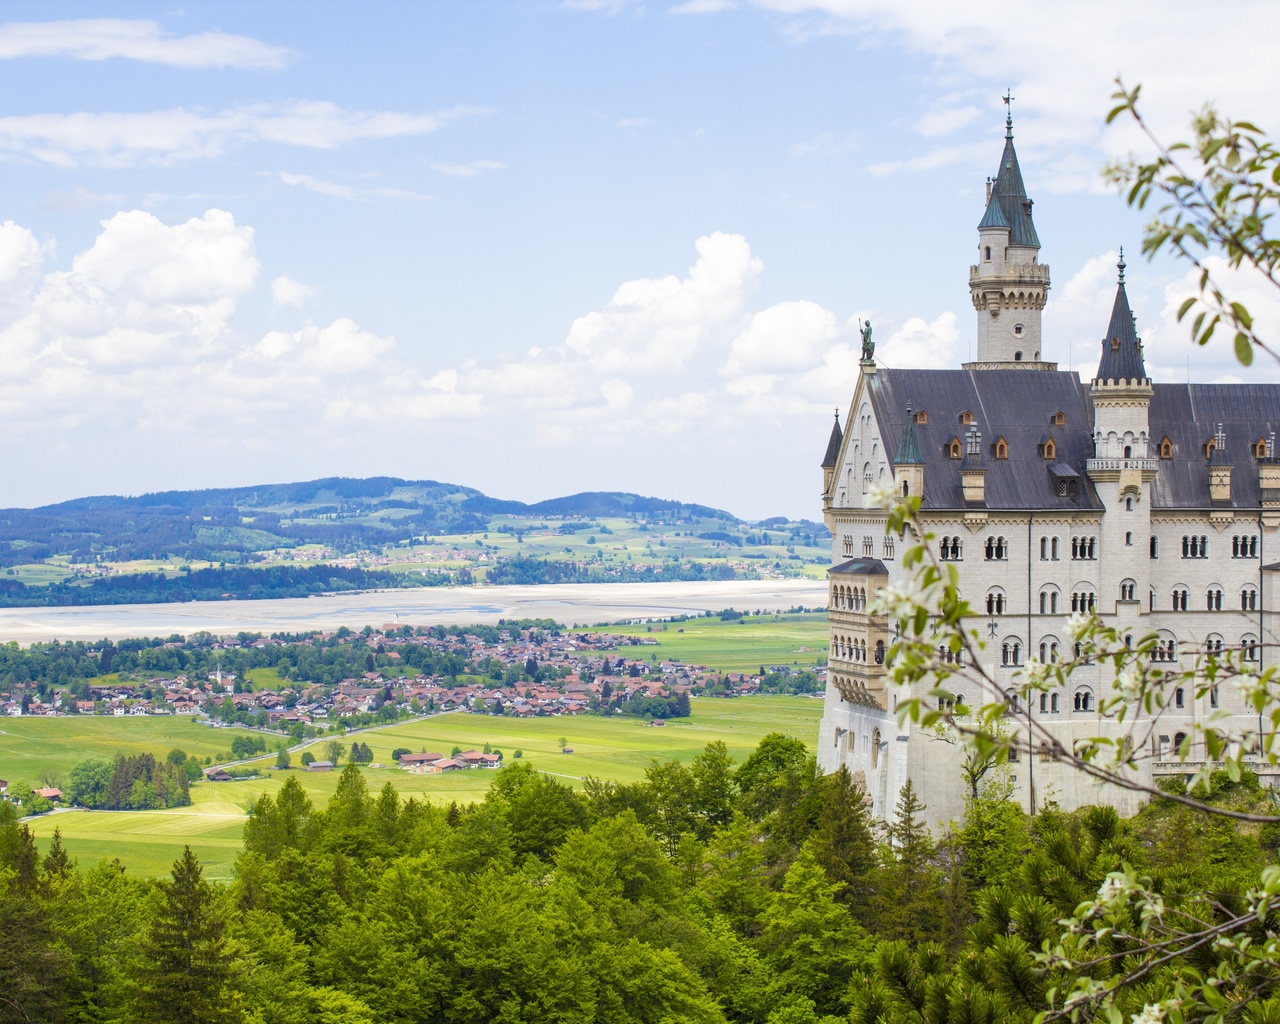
(1009, 285)
(1121, 348)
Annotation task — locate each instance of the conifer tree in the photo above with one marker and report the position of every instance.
(186, 965)
(842, 842)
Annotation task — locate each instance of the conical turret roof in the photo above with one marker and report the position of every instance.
(1010, 194)
(908, 453)
(1121, 348)
(833, 445)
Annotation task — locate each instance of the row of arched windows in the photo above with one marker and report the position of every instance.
(1195, 547)
(1244, 547)
(1084, 548)
(853, 649)
(1083, 601)
(997, 549)
(951, 549)
(1180, 598)
(848, 598)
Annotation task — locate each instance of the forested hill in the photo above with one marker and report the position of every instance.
(344, 514)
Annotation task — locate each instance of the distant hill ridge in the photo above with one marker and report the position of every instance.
(347, 514)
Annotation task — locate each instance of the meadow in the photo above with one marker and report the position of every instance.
(616, 749)
(736, 645)
(30, 747)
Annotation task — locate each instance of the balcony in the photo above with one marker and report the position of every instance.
(1120, 465)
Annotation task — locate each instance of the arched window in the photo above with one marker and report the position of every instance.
(1011, 652)
(1044, 549)
(1059, 419)
(879, 652)
(887, 547)
(1179, 599)
(1260, 448)
(1128, 451)
(954, 450)
(1213, 599)
(875, 749)
(1213, 696)
(1128, 504)
(1249, 599)
(1179, 738)
(995, 602)
(1127, 590)
(1249, 647)
(1213, 643)
(1053, 549)
(996, 549)
(1179, 698)
(1166, 449)
(1053, 703)
(1155, 547)
(966, 417)
(1083, 700)
(922, 416)
(1002, 449)
(987, 254)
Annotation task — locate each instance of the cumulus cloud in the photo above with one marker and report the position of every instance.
(171, 136)
(285, 291)
(466, 170)
(788, 336)
(920, 343)
(104, 38)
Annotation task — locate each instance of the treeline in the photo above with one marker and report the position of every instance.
(224, 584)
(522, 569)
(759, 892)
(132, 783)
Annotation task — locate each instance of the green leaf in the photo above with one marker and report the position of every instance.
(1244, 349)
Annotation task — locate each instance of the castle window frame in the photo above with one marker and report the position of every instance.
(1180, 596)
(1166, 449)
(1011, 653)
(995, 601)
(1179, 698)
(997, 549)
(1260, 448)
(955, 450)
(1249, 598)
(922, 416)
(1083, 600)
(1155, 546)
(1249, 647)
(1244, 546)
(1213, 599)
(1002, 448)
(1128, 590)
(966, 418)
(1058, 419)
(1083, 700)
(1209, 446)
(1049, 450)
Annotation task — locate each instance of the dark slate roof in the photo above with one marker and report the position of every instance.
(1012, 196)
(908, 453)
(1188, 415)
(833, 445)
(1121, 348)
(861, 567)
(1014, 404)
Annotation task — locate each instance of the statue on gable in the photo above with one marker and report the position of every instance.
(868, 346)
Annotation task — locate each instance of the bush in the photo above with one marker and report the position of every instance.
(517, 753)
(308, 757)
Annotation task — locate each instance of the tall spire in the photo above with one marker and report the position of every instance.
(1008, 118)
(1121, 348)
(833, 444)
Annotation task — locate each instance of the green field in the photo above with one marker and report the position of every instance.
(609, 748)
(31, 746)
(741, 645)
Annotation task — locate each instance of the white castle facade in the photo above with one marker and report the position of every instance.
(1155, 505)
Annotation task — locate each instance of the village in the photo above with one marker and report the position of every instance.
(522, 672)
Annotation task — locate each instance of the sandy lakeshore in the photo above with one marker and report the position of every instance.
(568, 603)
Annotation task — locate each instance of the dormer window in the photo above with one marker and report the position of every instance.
(1209, 446)
(1049, 450)
(1059, 419)
(922, 417)
(966, 417)
(1260, 448)
(1166, 449)
(954, 449)
(1002, 448)
(1115, 344)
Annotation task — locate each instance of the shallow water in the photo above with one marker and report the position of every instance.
(582, 603)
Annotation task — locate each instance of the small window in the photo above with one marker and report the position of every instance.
(954, 449)
(1050, 450)
(1002, 449)
(966, 417)
(922, 417)
(987, 254)
(1059, 419)
(1260, 448)
(1017, 330)
(1209, 446)
(1166, 449)
(1155, 547)
(1017, 357)
(1115, 344)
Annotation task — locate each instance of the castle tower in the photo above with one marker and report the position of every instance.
(1009, 285)
(1122, 469)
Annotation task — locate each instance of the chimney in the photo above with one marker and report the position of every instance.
(1219, 469)
(973, 475)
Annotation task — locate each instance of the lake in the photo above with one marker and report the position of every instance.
(583, 603)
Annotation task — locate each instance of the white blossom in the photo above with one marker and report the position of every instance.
(1077, 624)
(881, 495)
(892, 601)
(1129, 682)
(1113, 888)
(1246, 685)
(1152, 1013)
(1035, 672)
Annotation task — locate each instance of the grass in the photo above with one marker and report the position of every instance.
(31, 746)
(741, 645)
(617, 749)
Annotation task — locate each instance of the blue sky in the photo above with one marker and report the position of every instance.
(538, 248)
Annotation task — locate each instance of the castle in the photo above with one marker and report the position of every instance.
(1154, 505)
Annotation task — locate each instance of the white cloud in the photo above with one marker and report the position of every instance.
(171, 136)
(944, 120)
(285, 291)
(466, 170)
(77, 200)
(920, 343)
(1075, 318)
(104, 38)
(788, 336)
(340, 191)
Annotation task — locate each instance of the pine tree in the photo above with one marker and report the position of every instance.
(908, 885)
(56, 861)
(186, 965)
(842, 842)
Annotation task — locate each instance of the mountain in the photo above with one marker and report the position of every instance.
(342, 513)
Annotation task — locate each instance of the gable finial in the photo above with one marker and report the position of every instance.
(1121, 265)
(1008, 120)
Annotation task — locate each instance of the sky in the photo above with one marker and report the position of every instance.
(539, 248)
